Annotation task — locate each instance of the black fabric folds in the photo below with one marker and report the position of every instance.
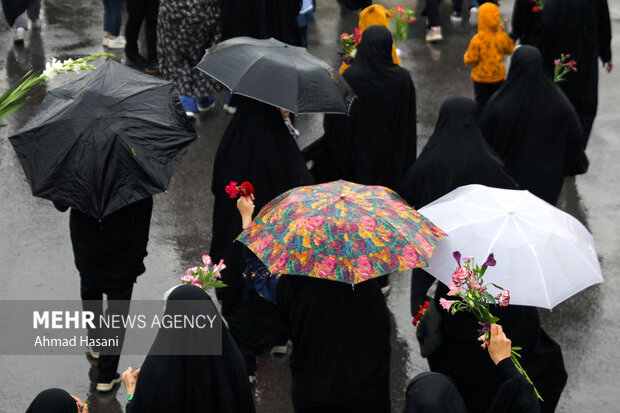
(53, 401)
(192, 383)
(110, 252)
(341, 344)
(258, 148)
(262, 19)
(456, 154)
(533, 127)
(376, 144)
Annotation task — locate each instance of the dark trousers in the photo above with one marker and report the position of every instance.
(483, 92)
(139, 11)
(117, 303)
(432, 13)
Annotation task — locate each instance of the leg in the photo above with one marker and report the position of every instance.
(34, 10)
(135, 16)
(457, 6)
(118, 304)
(115, 17)
(150, 30)
(91, 301)
(432, 12)
(21, 22)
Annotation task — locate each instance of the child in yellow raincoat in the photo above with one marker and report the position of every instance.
(485, 54)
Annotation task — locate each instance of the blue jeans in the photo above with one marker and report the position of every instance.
(112, 16)
(457, 5)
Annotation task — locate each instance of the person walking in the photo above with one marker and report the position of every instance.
(112, 19)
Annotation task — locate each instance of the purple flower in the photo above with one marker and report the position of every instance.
(486, 328)
(457, 257)
(467, 260)
(490, 262)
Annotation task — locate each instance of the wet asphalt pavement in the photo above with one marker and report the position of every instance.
(36, 260)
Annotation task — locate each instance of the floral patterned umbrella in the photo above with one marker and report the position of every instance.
(341, 231)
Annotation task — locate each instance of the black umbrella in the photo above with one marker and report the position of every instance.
(278, 74)
(111, 138)
(13, 8)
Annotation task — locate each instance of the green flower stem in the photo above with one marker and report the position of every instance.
(514, 356)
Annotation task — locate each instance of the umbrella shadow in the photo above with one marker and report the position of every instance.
(573, 321)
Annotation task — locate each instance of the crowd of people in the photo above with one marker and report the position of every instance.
(524, 131)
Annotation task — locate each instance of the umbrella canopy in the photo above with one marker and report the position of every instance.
(111, 138)
(543, 254)
(278, 74)
(341, 231)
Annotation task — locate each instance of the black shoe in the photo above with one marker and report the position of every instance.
(135, 59)
(106, 385)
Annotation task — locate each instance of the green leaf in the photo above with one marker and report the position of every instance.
(133, 152)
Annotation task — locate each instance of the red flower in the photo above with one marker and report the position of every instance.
(411, 19)
(357, 36)
(535, 9)
(398, 9)
(232, 189)
(421, 312)
(246, 189)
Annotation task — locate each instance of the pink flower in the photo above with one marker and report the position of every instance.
(327, 266)
(197, 282)
(368, 223)
(474, 285)
(219, 267)
(503, 298)
(206, 260)
(218, 275)
(411, 19)
(315, 223)
(567, 55)
(344, 35)
(446, 304)
(483, 338)
(411, 256)
(556, 62)
(186, 278)
(364, 267)
(232, 190)
(453, 290)
(460, 276)
(398, 9)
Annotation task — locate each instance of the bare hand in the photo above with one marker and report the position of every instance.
(285, 113)
(81, 407)
(499, 346)
(245, 205)
(130, 378)
(608, 66)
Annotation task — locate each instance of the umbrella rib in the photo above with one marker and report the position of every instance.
(531, 248)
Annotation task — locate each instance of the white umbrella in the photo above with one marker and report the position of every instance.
(543, 254)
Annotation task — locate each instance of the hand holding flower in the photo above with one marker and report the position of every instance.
(245, 205)
(499, 345)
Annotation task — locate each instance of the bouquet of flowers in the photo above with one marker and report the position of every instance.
(468, 286)
(349, 43)
(206, 276)
(401, 18)
(537, 5)
(15, 96)
(562, 67)
(245, 189)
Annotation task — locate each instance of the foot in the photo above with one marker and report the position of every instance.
(456, 17)
(117, 42)
(252, 379)
(229, 109)
(152, 66)
(206, 103)
(278, 350)
(37, 23)
(135, 59)
(386, 290)
(434, 34)
(106, 385)
(18, 35)
(190, 106)
(473, 16)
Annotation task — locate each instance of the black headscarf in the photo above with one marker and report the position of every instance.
(376, 144)
(192, 383)
(341, 343)
(262, 19)
(256, 147)
(53, 401)
(433, 393)
(533, 127)
(456, 154)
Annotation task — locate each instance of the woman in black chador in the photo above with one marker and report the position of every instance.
(257, 147)
(455, 155)
(533, 127)
(341, 345)
(376, 143)
(262, 19)
(580, 28)
(190, 383)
